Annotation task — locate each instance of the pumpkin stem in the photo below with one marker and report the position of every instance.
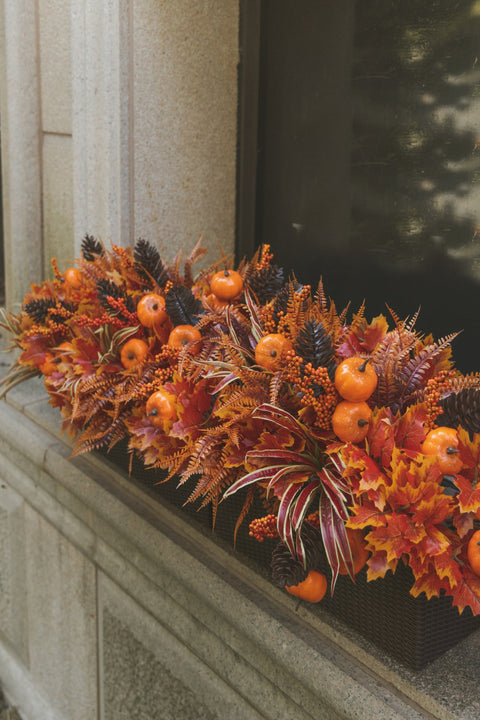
(363, 366)
(362, 422)
(452, 450)
(152, 413)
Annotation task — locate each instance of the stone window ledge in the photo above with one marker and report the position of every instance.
(239, 644)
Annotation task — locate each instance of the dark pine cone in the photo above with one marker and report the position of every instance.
(182, 307)
(315, 346)
(287, 570)
(148, 262)
(91, 248)
(266, 282)
(106, 288)
(38, 309)
(462, 408)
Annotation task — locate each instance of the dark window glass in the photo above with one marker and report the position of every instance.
(369, 155)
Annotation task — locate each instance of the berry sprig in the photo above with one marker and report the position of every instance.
(264, 527)
(313, 388)
(437, 387)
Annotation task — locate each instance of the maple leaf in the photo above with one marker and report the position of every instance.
(381, 436)
(409, 428)
(467, 592)
(374, 332)
(391, 538)
(430, 584)
(468, 499)
(377, 564)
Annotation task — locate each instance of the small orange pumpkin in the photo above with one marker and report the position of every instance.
(226, 284)
(442, 442)
(73, 278)
(270, 350)
(358, 549)
(473, 552)
(350, 421)
(355, 379)
(133, 352)
(151, 310)
(183, 335)
(161, 408)
(313, 588)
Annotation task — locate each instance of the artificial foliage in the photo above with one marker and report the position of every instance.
(235, 380)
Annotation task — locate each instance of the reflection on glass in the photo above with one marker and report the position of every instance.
(370, 163)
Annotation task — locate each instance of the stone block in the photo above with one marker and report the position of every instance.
(57, 167)
(61, 597)
(185, 116)
(150, 675)
(55, 66)
(13, 608)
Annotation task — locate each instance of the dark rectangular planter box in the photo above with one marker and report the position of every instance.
(414, 631)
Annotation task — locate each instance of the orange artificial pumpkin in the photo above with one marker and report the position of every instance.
(133, 352)
(212, 302)
(313, 588)
(473, 552)
(183, 335)
(270, 349)
(151, 310)
(442, 442)
(226, 284)
(350, 421)
(358, 550)
(355, 379)
(161, 408)
(73, 278)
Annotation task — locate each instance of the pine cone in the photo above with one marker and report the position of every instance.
(38, 309)
(286, 569)
(462, 408)
(266, 282)
(91, 248)
(315, 346)
(106, 289)
(182, 307)
(148, 262)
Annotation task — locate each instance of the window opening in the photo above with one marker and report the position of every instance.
(367, 154)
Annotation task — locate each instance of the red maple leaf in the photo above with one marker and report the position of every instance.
(409, 428)
(381, 436)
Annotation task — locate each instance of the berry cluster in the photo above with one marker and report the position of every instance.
(313, 387)
(264, 527)
(437, 387)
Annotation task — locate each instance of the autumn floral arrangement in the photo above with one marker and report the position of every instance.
(359, 436)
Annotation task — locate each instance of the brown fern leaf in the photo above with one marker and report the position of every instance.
(196, 254)
(419, 369)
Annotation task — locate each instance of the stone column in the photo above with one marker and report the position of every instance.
(21, 148)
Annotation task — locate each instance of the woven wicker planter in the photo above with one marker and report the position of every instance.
(414, 631)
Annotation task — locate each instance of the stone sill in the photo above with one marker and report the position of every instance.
(263, 656)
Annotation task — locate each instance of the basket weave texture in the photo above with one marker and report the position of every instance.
(414, 631)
